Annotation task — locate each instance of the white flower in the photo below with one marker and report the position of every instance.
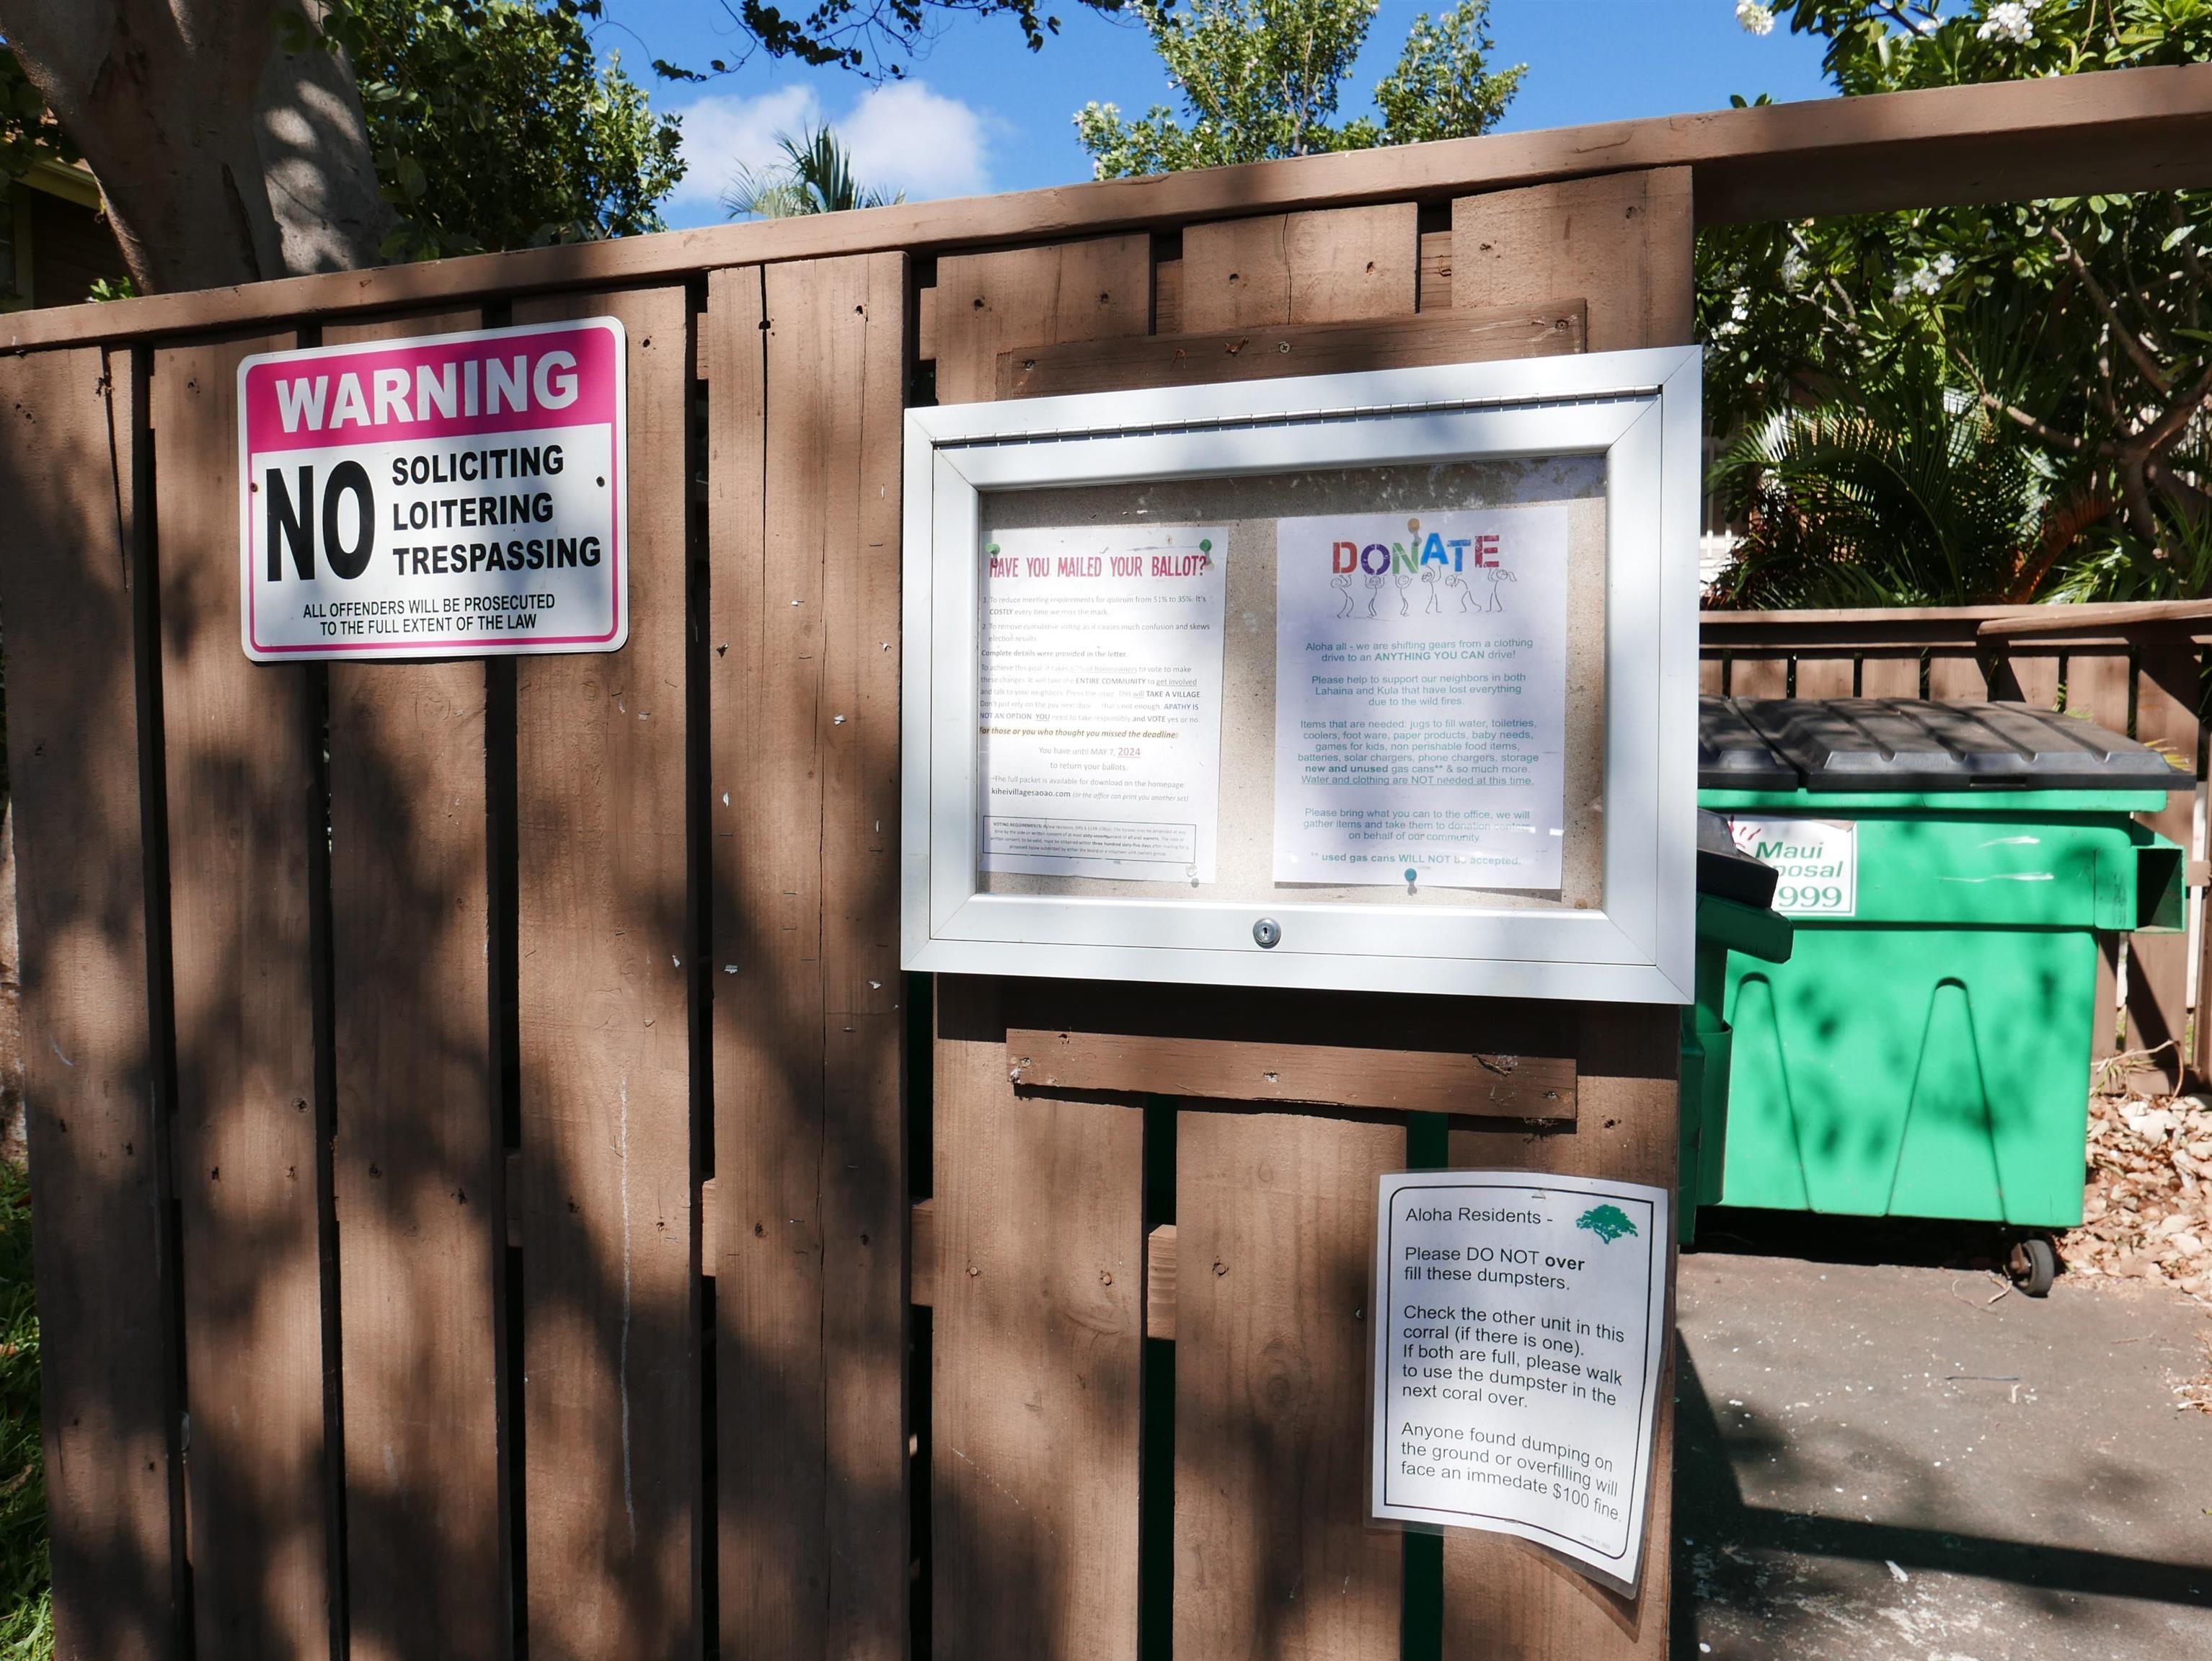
(2008, 19)
(1793, 270)
(1755, 18)
(1925, 279)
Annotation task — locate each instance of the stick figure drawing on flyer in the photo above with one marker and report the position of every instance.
(1405, 600)
(1497, 576)
(1436, 595)
(1374, 591)
(1466, 594)
(1343, 585)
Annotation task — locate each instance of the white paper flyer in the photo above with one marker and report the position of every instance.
(1101, 701)
(1516, 1363)
(1420, 698)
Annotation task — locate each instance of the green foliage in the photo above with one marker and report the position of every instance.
(2067, 345)
(27, 1626)
(1263, 78)
(494, 126)
(814, 177)
(869, 36)
(1892, 45)
(1607, 1222)
(26, 131)
(1907, 494)
(1440, 88)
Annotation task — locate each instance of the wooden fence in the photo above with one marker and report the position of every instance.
(2138, 670)
(496, 1194)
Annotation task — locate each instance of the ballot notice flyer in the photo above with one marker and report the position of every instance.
(1101, 701)
(1420, 698)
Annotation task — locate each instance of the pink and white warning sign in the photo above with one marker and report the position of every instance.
(455, 496)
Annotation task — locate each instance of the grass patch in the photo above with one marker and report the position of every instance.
(27, 1611)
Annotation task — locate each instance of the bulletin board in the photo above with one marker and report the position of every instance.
(1382, 679)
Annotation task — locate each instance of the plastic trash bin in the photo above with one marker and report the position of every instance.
(1735, 893)
(1947, 868)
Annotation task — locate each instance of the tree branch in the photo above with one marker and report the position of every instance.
(1996, 405)
(2145, 363)
(2168, 429)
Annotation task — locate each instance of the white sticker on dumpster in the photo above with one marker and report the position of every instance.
(460, 495)
(1816, 862)
(1516, 1360)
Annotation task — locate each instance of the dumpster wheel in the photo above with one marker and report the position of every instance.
(2033, 1265)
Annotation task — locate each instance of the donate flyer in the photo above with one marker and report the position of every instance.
(1420, 698)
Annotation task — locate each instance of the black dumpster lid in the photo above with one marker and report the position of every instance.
(1725, 869)
(1914, 744)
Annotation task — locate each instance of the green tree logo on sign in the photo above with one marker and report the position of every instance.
(1607, 1222)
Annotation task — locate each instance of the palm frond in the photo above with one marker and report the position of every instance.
(815, 177)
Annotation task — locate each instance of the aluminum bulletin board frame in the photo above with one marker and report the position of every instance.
(1639, 410)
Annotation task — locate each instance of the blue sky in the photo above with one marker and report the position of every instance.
(980, 113)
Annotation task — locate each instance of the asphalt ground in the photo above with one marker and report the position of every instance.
(1878, 1460)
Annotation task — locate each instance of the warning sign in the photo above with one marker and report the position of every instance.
(453, 496)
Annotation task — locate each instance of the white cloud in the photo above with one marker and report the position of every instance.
(903, 136)
(721, 134)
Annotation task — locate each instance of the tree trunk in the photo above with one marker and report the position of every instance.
(315, 158)
(223, 159)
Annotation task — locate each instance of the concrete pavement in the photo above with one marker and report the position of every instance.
(1877, 1462)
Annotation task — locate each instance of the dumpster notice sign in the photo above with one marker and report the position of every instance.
(1816, 862)
(1516, 1361)
(460, 495)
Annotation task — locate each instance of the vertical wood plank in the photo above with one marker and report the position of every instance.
(1504, 1599)
(809, 1178)
(2027, 677)
(238, 758)
(1334, 266)
(610, 1398)
(1275, 1225)
(1036, 1374)
(68, 588)
(1713, 676)
(1276, 1212)
(861, 321)
(418, 1157)
(1038, 1341)
(2168, 686)
(1826, 677)
(1759, 675)
(990, 303)
(1957, 675)
(1435, 281)
(1167, 295)
(1623, 242)
(2097, 688)
(1889, 675)
(1626, 244)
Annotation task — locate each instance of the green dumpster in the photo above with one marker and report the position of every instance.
(1948, 869)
